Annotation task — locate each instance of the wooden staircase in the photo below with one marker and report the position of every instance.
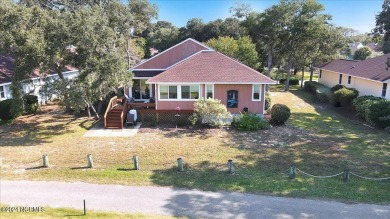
(113, 119)
(115, 114)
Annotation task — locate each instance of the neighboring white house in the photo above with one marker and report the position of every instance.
(30, 86)
(369, 77)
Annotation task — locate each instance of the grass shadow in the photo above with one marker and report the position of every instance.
(126, 169)
(36, 168)
(80, 168)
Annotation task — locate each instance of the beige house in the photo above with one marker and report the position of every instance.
(369, 77)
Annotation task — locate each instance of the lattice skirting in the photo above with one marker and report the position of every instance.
(164, 117)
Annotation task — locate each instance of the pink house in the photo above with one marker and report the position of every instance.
(190, 70)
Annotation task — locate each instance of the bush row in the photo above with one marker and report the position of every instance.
(321, 91)
(374, 110)
(293, 81)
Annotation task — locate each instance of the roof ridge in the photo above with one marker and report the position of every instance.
(188, 39)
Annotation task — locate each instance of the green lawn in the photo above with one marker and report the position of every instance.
(318, 139)
(51, 213)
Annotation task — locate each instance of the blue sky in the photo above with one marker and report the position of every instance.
(357, 14)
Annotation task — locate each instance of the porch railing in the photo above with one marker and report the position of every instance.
(111, 105)
(124, 111)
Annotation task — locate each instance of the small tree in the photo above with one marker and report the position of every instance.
(211, 112)
(362, 53)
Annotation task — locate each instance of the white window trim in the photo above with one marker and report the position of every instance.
(260, 93)
(178, 92)
(205, 90)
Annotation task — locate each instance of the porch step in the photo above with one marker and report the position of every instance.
(113, 119)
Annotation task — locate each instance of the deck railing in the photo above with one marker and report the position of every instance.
(124, 111)
(111, 105)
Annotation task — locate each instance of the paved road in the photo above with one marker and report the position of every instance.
(177, 202)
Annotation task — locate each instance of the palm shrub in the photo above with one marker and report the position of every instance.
(250, 122)
(280, 113)
(211, 112)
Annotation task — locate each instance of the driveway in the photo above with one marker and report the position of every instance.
(177, 202)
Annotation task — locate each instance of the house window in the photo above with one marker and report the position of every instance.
(2, 93)
(168, 92)
(256, 92)
(320, 73)
(209, 91)
(190, 92)
(140, 89)
(232, 99)
(349, 79)
(384, 89)
(340, 78)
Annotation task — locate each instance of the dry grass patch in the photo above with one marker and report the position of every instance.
(315, 140)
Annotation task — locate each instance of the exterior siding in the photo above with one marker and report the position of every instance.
(33, 86)
(244, 97)
(365, 87)
(220, 92)
(172, 105)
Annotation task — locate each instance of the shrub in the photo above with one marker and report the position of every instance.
(344, 96)
(30, 103)
(337, 87)
(211, 112)
(361, 104)
(321, 91)
(5, 109)
(6, 112)
(280, 113)
(267, 101)
(378, 113)
(250, 122)
(293, 81)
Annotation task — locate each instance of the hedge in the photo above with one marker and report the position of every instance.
(5, 109)
(337, 87)
(344, 96)
(293, 81)
(361, 104)
(321, 91)
(374, 110)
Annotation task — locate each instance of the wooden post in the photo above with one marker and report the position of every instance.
(157, 118)
(293, 172)
(346, 175)
(90, 161)
(136, 163)
(45, 160)
(180, 164)
(230, 167)
(85, 209)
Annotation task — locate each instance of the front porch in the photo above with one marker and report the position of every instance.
(115, 115)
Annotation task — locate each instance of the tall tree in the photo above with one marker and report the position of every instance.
(242, 49)
(383, 25)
